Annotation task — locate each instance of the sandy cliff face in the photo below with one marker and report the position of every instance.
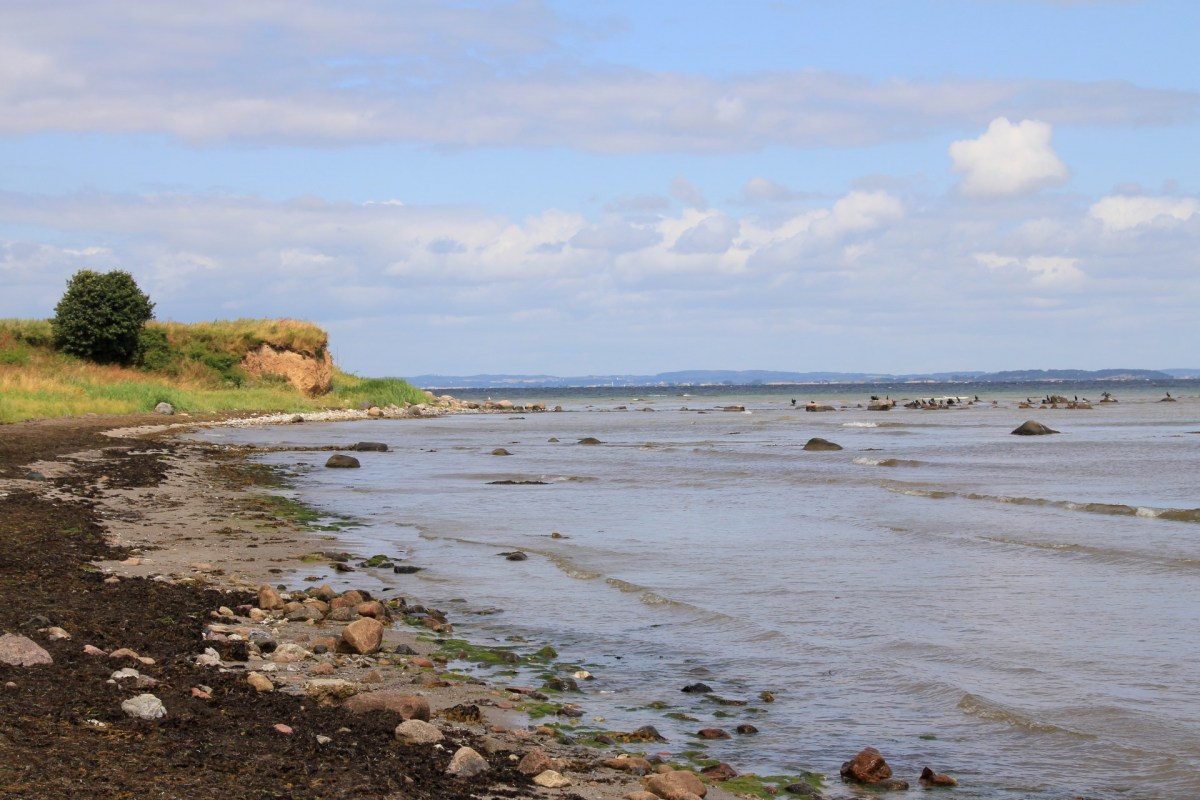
(311, 374)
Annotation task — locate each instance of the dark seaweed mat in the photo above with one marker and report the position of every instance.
(223, 748)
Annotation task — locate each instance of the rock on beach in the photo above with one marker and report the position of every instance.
(21, 651)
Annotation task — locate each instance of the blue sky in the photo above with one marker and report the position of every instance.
(621, 187)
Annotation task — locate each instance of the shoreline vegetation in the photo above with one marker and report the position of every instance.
(143, 565)
(199, 368)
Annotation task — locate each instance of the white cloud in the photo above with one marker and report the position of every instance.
(492, 74)
(1008, 160)
(1120, 213)
(713, 234)
(1047, 272)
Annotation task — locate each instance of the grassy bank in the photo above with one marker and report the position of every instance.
(195, 368)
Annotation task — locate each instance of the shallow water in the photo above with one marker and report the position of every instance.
(1017, 611)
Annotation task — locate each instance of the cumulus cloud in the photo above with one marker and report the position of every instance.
(1008, 160)
(862, 262)
(1120, 213)
(714, 234)
(615, 237)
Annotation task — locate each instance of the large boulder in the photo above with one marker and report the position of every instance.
(675, 785)
(363, 636)
(1032, 428)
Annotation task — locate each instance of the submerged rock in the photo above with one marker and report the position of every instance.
(370, 447)
(1032, 428)
(818, 444)
(931, 778)
(339, 461)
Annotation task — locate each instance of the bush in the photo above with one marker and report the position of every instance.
(101, 316)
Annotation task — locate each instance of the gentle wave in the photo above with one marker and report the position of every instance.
(887, 462)
(1110, 509)
(982, 708)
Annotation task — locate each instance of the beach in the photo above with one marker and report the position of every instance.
(129, 549)
(1009, 610)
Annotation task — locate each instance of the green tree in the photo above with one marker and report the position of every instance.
(101, 316)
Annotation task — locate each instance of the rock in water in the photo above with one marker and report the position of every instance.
(818, 444)
(1031, 428)
(931, 778)
(868, 766)
(21, 651)
(370, 447)
(339, 461)
(466, 763)
(144, 706)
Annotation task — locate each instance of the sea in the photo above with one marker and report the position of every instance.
(1020, 612)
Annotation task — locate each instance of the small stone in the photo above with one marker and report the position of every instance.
(144, 706)
(551, 779)
(466, 763)
(260, 682)
(324, 668)
(289, 653)
(746, 728)
(55, 634)
(535, 762)
(363, 636)
(21, 651)
(323, 739)
(330, 691)
(92, 650)
(164, 408)
(713, 733)
(123, 652)
(631, 764)
(418, 732)
(286, 730)
(675, 784)
(201, 694)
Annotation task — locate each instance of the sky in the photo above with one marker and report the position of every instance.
(619, 187)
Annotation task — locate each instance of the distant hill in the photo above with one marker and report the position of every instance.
(771, 377)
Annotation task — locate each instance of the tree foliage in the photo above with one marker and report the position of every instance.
(101, 316)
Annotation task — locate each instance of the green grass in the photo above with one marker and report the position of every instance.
(195, 368)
